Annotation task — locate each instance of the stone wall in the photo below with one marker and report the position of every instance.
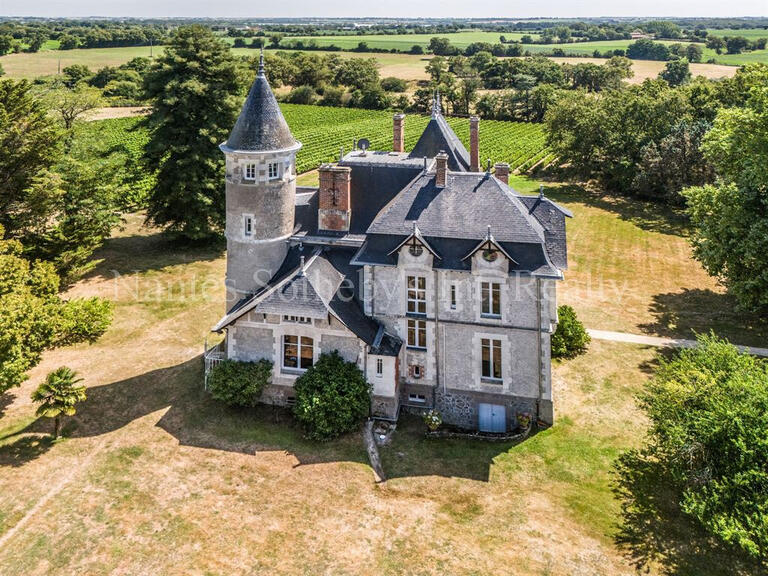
(460, 408)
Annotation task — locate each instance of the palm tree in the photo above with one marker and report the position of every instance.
(58, 395)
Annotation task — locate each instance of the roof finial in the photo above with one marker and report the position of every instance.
(436, 108)
(541, 190)
(261, 62)
(488, 235)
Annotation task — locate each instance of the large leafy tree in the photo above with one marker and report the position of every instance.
(707, 446)
(730, 218)
(58, 396)
(34, 318)
(194, 90)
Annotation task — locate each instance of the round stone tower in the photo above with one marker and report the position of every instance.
(260, 191)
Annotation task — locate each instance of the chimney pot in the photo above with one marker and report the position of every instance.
(502, 172)
(474, 144)
(398, 129)
(441, 169)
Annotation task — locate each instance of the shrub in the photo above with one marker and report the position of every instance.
(332, 397)
(392, 84)
(301, 95)
(239, 383)
(571, 338)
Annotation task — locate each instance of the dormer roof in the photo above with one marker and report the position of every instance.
(261, 126)
(439, 136)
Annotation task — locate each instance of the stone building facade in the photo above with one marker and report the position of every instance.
(435, 277)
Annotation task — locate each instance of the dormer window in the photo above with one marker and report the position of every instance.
(250, 172)
(416, 250)
(274, 170)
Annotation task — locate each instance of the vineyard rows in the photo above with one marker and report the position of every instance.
(325, 131)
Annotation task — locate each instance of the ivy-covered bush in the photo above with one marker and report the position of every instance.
(239, 383)
(570, 338)
(332, 397)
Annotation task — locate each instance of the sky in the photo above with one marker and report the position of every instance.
(382, 8)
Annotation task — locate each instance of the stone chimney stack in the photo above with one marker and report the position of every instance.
(441, 169)
(474, 144)
(398, 128)
(334, 210)
(501, 170)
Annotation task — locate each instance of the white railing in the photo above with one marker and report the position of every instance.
(212, 357)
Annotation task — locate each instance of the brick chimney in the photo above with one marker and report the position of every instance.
(334, 209)
(474, 144)
(398, 129)
(441, 169)
(501, 171)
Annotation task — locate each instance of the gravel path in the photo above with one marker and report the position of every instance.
(660, 341)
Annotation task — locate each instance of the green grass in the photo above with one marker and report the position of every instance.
(751, 33)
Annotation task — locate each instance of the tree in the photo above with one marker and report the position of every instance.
(730, 218)
(715, 43)
(332, 397)
(442, 47)
(195, 94)
(570, 338)
(239, 383)
(676, 72)
(694, 53)
(357, 73)
(275, 40)
(437, 68)
(32, 316)
(58, 395)
(706, 445)
(72, 104)
(393, 84)
(645, 49)
(6, 43)
(735, 44)
(74, 74)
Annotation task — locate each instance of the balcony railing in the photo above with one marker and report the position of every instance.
(212, 357)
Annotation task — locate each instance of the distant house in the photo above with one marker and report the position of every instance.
(432, 274)
(639, 34)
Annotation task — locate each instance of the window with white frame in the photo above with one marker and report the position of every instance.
(417, 295)
(417, 398)
(490, 354)
(247, 225)
(274, 170)
(453, 296)
(297, 319)
(250, 171)
(298, 352)
(417, 334)
(490, 295)
(379, 367)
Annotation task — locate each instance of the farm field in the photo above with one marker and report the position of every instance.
(324, 131)
(751, 33)
(405, 66)
(156, 477)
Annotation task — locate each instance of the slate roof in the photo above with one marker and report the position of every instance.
(326, 284)
(261, 125)
(552, 218)
(463, 209)
(437, 137)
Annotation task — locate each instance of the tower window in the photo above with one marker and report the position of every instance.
(379, 367)
(274, 171)
(250, 171)
(453, 296)
(247, 225)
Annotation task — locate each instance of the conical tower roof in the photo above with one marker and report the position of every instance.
(261, 126)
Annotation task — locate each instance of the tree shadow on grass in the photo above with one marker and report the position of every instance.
(143, 252)
(654, 531)
(191, 416)
(690, 311)
(195, 419)
(411, 453)
(647, 215)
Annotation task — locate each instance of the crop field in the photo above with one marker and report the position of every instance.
(405, 41)
(325, 131)
(751, 33)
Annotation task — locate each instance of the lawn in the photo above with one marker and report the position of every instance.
(155, 477)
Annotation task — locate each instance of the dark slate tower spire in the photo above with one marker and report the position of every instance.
(261, 125)
(261, 191)
(439, 137)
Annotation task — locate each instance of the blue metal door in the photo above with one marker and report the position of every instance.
(492, 418)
